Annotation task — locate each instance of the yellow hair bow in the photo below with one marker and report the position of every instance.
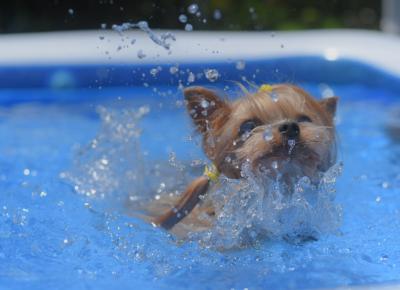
(211, 172)
(265, 88)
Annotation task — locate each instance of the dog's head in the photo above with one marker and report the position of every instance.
(279, 130)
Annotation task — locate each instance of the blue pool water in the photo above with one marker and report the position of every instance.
(54, 237)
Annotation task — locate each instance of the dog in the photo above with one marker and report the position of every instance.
(280, 129)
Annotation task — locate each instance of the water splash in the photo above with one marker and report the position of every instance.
(161, 40)
(114, 167)
(250, 209)
(113, 160)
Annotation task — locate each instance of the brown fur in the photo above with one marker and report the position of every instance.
(219, 122)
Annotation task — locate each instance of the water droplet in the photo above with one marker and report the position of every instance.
(193, 8)
(71, 11)
(267, 135)
(384, 258)
(204, 104)
(191, 77)
(274, 164)
(189, 27)
(27, 171)
(217, 14)
(183, 18)
(385, 184)
(211, 74)
(240, 65)
(161, 188)
(245, 136)
(141, 54)
(326, 91)
(154, 72)
(291, 144)
(274, 96)
(173, 69)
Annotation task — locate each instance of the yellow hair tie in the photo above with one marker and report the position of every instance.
(265, 88)
(211, 172)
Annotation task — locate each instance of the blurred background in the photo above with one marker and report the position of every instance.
(18, 16)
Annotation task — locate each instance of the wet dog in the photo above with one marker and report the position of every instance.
(280, 129)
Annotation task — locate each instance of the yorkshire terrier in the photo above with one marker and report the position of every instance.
(280, 128)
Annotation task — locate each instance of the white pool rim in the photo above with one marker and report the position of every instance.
(102, 47)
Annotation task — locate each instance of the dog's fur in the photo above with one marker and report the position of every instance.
(286, 131)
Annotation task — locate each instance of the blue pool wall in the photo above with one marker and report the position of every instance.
(277, 70)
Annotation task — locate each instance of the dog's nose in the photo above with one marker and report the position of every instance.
(291, 130)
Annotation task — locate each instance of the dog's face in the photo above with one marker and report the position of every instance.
(282, 130)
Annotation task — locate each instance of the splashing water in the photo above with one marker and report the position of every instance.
(113, 166)
(246, 210)
(99, 170)
(249, 209)
(161, 40)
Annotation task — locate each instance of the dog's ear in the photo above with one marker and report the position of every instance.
(330, 104)
(205, 108)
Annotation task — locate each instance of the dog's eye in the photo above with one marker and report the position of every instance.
(304, 118)
(248, 126)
